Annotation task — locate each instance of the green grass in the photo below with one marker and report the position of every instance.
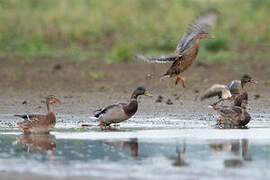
(113, 30)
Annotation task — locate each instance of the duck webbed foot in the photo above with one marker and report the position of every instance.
(116, 125)
(179, 78)
(219, 122)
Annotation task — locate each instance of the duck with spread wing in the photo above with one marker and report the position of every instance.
(188, 48)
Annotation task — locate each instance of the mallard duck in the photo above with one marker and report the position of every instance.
(235, 90)
(188, 48)
(119, 112)
(232, 115)
(35, 123)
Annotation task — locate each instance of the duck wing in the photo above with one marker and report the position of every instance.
(200, 25)
(158, 59)
(30, 117)
(220, 90)
(233, 110)
(30, 120)
(235, 87)
(113, 114)
(109, 109)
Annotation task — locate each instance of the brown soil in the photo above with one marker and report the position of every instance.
(72, 81)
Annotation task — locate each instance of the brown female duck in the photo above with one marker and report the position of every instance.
(188, 48)
(119, 112)
(233, 115)
(235, 90)
(35, 123)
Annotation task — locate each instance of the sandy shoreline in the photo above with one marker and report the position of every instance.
(31, 176)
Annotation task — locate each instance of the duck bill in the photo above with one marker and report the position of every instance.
(211, 37)
(58, 101)
(253, 81)
(148, 94)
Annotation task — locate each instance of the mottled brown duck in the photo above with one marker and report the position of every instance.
(120, 112)
(232, 115)
(235, 91)
(188, 48)
(36, 123)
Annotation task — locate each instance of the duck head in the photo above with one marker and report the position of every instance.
(140, 91)
(247, 79)
(51, 99)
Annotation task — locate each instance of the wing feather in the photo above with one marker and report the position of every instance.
(30, 120)
(158, 59)
(201, 25)
(220, 90)
(235, 87)
(102, 111)
(230, 110)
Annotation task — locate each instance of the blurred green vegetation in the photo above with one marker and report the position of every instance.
(113, 30)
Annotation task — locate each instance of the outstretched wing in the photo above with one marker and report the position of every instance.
(219, 90)
(158, 59)
(201, 25)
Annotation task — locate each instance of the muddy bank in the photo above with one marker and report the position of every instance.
(85, 86)
(30, 176)
(96, 76)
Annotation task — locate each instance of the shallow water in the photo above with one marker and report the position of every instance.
(141, 148)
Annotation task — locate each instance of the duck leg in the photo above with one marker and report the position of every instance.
(116, 125)
(101, 124)
(179, 78)
(219, 122)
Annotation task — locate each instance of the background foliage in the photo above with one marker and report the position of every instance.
(114, 29)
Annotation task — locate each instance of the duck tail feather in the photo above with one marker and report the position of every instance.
(94, 118)
(19, 115)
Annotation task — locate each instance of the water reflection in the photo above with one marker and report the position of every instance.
(236, 147)
(37, 142)
(123, 156)
(180, 157)
(131, 144)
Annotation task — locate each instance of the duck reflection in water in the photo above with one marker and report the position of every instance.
(180, 157)
(131, 144)
(235, 147)
(37, 142)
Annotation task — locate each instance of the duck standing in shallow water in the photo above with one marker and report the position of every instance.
(232, 115)
(235, 90)
(119, 112)
(35, 123)
(188, 48)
